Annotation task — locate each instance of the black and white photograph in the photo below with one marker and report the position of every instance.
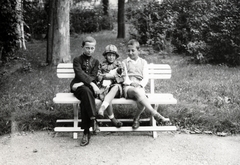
(120, 82)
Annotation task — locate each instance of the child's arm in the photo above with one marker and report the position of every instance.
(145, 79)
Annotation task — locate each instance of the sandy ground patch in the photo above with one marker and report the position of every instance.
(41, 148)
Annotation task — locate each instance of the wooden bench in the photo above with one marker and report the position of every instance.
(156, 71)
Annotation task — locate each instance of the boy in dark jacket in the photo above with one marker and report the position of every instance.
(84, 86)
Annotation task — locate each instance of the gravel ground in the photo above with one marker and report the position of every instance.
(42, 148)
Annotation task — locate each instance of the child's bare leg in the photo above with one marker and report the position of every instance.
(114, 121)
(157, 116)
(140, 109)
(142, 99)
(108, 99)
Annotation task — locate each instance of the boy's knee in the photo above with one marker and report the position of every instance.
(135, 93)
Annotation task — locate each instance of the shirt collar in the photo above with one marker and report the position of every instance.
(130, 60)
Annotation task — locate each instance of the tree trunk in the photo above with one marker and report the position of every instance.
(20, 27)
(105, 6)
(61, 35)
(50, 11)
(121, 19)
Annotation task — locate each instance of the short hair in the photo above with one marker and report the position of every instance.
(88, 39)
(135, 43)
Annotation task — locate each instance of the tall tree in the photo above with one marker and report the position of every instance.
(50, 10)
(105, 6)
(59, 35)
(8, 26)
(121, 19)
(20, 27)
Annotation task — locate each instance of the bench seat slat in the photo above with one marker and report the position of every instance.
(163, 98)
(122, 129)
(65, 75)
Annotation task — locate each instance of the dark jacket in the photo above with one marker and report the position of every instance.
(86, 70)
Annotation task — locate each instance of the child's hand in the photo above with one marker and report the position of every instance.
(100, 77)
(76, 85)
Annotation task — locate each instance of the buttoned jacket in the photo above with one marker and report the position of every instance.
(86, 70)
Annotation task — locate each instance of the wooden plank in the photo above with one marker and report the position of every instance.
(66, 75)
(159, 71)
(101, 120)
(161, 66)
(65, 70)
(161, 76)
(122, 129)
(65, 65)
(69, 98)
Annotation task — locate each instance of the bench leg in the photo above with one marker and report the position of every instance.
(75, 119)
(153, 122)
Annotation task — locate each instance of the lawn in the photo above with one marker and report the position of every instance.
(208, 96)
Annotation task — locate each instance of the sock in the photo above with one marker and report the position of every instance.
(111, 116)
(105, 104)
(102, 108)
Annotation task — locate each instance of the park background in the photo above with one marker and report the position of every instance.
(198, 39)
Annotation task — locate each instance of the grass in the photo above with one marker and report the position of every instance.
(208, 96)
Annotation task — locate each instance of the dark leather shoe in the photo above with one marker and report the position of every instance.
(161, 120)
(136, 124)
(116, 123)
(95, 126)
(85, 139)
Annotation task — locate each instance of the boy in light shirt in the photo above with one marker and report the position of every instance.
(135, 81)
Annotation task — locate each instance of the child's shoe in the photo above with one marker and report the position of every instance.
(85, 139)
(136, 124)
(95, 126)
(160, 119)
(116, 123)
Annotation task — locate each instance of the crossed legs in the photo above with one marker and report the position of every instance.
(138, 94)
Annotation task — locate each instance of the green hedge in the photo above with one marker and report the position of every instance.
(89, 20)
(206, 30)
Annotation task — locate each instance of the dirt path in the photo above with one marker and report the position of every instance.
(40, 148)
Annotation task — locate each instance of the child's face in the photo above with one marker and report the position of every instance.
(89, 48)
(110, 57)
(132, 52)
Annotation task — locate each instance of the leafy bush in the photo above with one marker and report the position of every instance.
(8, 25)
(81, 22)
(35, 18)
(183, 22)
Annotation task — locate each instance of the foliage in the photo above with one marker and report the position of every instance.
(89, 20)
(184, 22)
(8, 26)
(35, 18)
(208, 96)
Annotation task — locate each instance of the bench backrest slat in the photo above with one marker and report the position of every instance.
(156, 71)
